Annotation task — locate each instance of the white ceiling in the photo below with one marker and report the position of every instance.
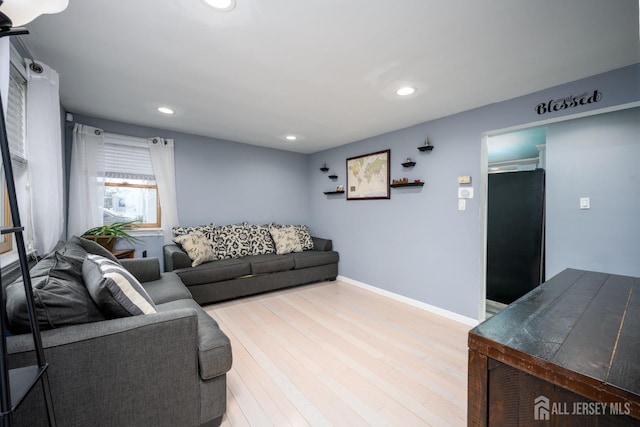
(325, 70)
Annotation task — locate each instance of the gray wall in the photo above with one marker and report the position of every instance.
(594, 157)
(417, 244)
(222, 181)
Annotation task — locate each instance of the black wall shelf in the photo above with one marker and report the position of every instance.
(408, 164)
(324, 169)
(334, 192)
(425, 148)
(333, 176)
(408, 184)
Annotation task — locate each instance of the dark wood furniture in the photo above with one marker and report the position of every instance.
(123, 253)
(570, 343)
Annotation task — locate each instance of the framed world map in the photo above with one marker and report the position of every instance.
(368, 176)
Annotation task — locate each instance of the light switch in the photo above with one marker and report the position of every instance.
(462, 204)
(464, 179)
(585, 203)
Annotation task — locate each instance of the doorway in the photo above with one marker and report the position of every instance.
(515, 216)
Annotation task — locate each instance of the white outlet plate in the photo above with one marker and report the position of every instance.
(462, 204)
(585, 203)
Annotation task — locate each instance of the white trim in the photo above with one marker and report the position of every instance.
(412, 302)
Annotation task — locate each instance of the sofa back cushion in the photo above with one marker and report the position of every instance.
(59, 295)
(114, 289)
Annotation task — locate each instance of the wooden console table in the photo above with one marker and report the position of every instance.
(555, 356)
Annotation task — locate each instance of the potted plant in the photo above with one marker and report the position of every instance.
(106, 235)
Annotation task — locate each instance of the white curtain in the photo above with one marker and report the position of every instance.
(44, 154)
(86, 188)
(164, 169)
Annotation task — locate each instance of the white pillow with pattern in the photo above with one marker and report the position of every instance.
(286, 239)
(197, 246)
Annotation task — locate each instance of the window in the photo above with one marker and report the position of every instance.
(15, 123)
(130, 189)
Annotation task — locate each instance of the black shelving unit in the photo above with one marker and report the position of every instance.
(15, 384)
(334, 192)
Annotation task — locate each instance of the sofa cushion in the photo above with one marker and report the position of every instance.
(269, 263)
(261, 241)
(91, 247)
(167, 288)
(232, 241)
(60, 298)
(305, 237)
(214, 348)
(309, 259)
(114, 289)
(216, 271)
(208, 230)
(286, 239)
(197, 246)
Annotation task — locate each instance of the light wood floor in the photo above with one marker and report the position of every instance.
(335, 354)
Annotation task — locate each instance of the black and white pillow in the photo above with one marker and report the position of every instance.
(305, 237)
(114, 290)
(232, 241)
(261, 241)
(209, 232)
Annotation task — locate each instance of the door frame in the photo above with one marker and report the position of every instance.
(484, 186)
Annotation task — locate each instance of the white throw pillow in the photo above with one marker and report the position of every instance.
(197, 246)
(286, 239)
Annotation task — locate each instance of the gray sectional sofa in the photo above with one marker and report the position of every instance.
(162, 369)
(232, 278)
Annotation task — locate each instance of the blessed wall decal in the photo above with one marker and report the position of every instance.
(570, 101)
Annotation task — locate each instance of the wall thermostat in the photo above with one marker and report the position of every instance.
(465, 193)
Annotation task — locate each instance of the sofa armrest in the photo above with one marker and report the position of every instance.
(175, 258)
(143, 269)
(124, 371)
(320, 244)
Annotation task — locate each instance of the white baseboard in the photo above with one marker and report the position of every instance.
(412, 302)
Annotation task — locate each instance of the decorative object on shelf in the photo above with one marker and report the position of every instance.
(409, 163)
(400, 181)
(106, 235)
(368, 176)
(333, 176)
(427, 146)
(324, 168)
(340, 188)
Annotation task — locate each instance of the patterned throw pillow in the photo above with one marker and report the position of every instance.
(209, 232)
(116, 292)
(197, 246)
(305, 237)
(261, 241)
(286, 239)
(232, 241)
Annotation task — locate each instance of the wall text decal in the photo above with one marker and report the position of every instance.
(569, 102)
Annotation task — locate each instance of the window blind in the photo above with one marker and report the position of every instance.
(127, 161)
(15, 120)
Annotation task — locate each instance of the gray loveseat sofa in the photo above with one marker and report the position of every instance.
(162, 369)
(232, 278)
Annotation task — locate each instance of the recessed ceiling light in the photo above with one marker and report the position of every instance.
(166, 110)
(290, 137)
(404, 91)
(222, 5)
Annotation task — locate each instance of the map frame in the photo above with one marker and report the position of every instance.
(381, 190)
